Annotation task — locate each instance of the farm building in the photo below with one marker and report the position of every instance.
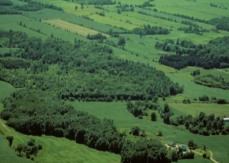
(171, 144)
(183, 148)
(226, 119)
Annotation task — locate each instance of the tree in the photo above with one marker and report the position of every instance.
(10, 139)
(153, 116)
(19, 149)
(135, 130)
(121, 41)
(191, 144)
(204, 148)
(76, 7)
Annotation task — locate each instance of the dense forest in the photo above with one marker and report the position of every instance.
(212, 55)
(89, 71)
(221, 23)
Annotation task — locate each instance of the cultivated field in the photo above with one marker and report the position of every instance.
(72, 27)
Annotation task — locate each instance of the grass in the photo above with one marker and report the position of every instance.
(56, 150)
(64, 25)
(8, 155)
(5, 89)
(195, 108)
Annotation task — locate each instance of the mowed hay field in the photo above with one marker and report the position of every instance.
(72, 27)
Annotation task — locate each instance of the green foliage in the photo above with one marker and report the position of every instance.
(89, 72)
(212, 55)
(212, 81)
(98, 36)
(195, 72)
(221, 23)
(150, 30)
(10, 139)
(202, 124)
(153, 116)
(144, 151)
(135, 131)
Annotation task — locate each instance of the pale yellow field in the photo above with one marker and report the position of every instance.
(72, 27)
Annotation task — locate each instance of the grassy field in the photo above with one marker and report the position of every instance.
(8, 155)
(195, 108)
(64, 25)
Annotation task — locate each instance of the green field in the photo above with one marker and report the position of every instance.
(5, 89)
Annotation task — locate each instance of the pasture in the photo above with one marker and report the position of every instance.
(74, 28)
(208, 108)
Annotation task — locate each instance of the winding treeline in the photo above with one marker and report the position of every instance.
(212, 55)
(84, 71)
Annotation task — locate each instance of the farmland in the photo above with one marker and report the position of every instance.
(72, 27)
(85, 74)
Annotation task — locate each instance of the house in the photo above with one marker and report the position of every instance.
(183, 148)
(171, 144)
(226, 119)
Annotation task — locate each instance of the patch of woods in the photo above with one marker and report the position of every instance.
(140, 108)
(210, 80)
(212, 55)
(220, 23)
(150, 30)
(29, 149)
(83, 71)
(192, 28)
(7, 7)
(36, 113)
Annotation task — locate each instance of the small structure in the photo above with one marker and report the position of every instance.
(183, 148)
(226, 119)
(171, 144)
